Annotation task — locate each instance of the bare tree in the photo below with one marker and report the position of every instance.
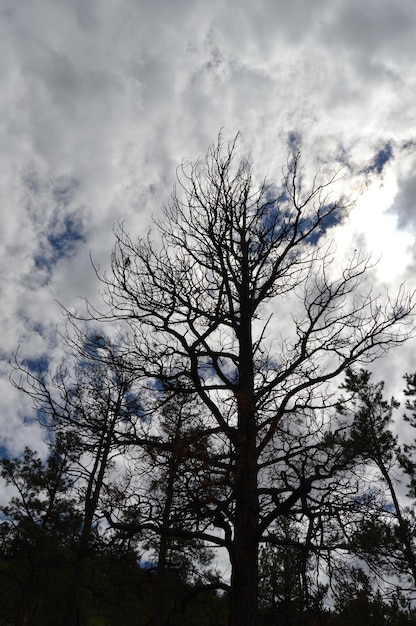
(241, 305)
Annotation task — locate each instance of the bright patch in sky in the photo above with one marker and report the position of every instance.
(383, 239)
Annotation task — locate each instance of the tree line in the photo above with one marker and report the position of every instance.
(218, 410)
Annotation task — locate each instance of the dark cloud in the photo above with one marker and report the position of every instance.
(405, 203)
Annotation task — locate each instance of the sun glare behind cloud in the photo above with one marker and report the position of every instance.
(374, 229)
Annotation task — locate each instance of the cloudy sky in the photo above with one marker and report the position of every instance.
(101, 99)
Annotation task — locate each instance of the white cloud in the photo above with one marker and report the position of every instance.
(100, 101)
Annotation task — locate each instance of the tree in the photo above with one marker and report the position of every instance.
(241, 305)
(371, 439)
(40, 527)
(175, 461)
(359, 601)
(90, 395)
(288, 590)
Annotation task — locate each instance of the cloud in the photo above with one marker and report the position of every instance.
(101, 101)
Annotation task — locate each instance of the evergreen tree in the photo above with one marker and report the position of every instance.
(40, 528)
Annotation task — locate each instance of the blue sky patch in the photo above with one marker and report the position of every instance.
(50, 205)
(382, 157)
(60, 240)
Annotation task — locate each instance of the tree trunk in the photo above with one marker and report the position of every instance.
(159, 604)
(244, 550)
(95, 483)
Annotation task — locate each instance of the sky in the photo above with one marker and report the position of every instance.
(101, 100)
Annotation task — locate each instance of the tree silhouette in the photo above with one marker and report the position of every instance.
(89, 398)
(241, 304)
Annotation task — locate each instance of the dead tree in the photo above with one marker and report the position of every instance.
(241, 303)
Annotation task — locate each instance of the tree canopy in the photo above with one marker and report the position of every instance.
(234, 325)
